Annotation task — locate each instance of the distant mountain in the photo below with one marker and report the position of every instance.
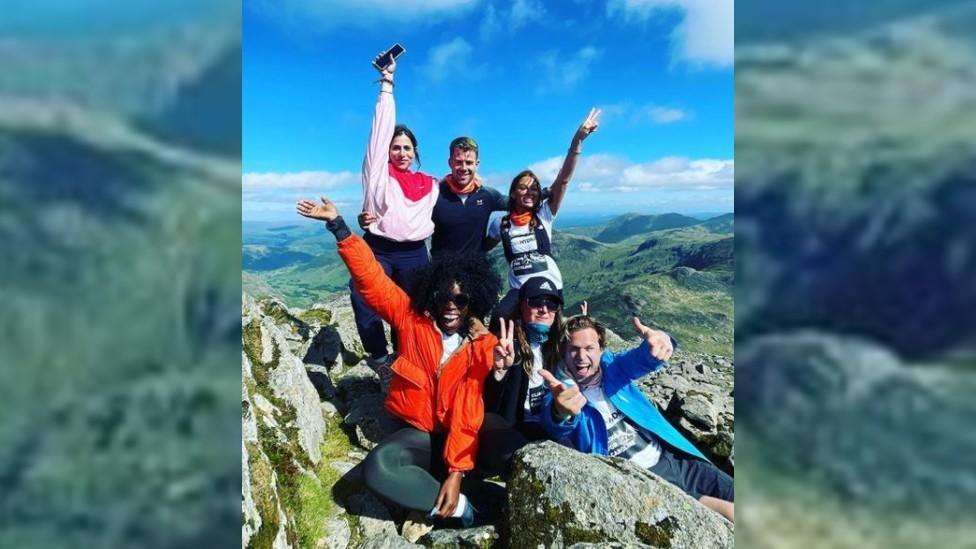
(721, 224)
(625, 226)
(680, 279)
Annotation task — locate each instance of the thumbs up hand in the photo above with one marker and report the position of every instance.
(567, 401)
(659, 342)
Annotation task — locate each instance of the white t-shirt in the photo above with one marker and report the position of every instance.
(451, 344)
(625, 438)
(537, 389)
(528, 262)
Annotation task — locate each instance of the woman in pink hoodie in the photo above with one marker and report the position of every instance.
(401, 202)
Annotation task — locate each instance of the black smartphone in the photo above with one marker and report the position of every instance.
(384, 59)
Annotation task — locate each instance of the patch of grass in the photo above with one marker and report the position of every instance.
(315, 498)
(316, 316)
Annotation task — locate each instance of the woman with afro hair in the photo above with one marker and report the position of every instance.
(439, 374)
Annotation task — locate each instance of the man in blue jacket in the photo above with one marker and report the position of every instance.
(594, 404)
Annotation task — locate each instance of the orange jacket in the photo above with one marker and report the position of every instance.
(424, 398)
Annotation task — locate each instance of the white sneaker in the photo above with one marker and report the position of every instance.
(382, 368)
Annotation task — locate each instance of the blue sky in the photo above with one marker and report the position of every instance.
(517, 75)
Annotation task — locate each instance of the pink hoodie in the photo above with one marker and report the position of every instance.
(401, 220)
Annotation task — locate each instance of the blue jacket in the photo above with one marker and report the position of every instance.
(588, 433)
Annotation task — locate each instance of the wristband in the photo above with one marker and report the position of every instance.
(338, 228)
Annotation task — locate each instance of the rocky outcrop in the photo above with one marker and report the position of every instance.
(559, 497)
(282, 423)
(696, 393)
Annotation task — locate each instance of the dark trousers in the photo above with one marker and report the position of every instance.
(407, 468)
(399, 260)
(696, 477)
(498, 441)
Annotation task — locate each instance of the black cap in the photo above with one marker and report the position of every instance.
(539, 286)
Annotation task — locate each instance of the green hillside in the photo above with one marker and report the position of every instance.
(679, 279)
(629, 225)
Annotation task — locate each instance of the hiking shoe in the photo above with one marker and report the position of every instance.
(416, 526)
(382, 368)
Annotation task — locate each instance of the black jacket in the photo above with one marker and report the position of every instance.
(507, 397)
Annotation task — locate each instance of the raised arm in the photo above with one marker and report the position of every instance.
(647, 357)
(375, 170)
(559, 186)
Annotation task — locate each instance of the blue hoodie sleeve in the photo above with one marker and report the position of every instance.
(556, 430)
(635, 363)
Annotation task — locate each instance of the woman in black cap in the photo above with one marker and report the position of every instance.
(514, 390)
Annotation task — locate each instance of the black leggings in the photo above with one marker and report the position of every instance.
(406, 470)
(498, 441)
(408, 467)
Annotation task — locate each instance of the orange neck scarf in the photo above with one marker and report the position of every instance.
(458, 189)
(520, 219)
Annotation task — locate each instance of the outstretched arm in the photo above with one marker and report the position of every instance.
(559, 186)
(375, 173)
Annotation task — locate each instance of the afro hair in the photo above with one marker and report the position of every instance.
(471, 272)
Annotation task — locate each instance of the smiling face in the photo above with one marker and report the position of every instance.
(525, 194)
(582, 354)
(464, 165)
(402, 152)
(452, 309)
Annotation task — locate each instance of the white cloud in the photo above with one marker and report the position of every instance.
(452, 59)
(307, 14)
(524, 12)
(561, 73)
(518, 15)
(705, 35)
(490, 24)
(311, 180)
(651, 112)
(666, 115)
(604, 172)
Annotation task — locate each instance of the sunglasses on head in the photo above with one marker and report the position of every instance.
(460, 300)
(538, 302)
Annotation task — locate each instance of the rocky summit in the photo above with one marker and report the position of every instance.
(312, 410)
(558, 497)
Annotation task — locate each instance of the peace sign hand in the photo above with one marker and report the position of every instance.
(659, 342)
(505, 350)
(589, 125)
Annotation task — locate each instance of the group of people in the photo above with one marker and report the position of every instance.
(470, 395)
